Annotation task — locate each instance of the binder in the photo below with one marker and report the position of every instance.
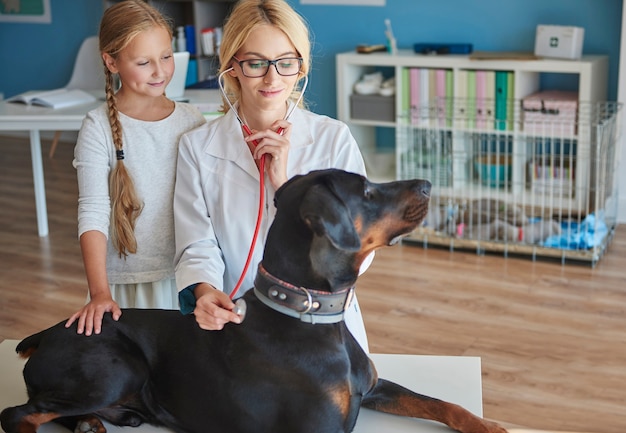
(449, 97)
(440, 90)
(510, 101)
(414, 77)
(501, 91)
(460, 108)
(490, 98)
(471, 98)
(432, 93)
(423, 97)
(481, 98)
(405, 102)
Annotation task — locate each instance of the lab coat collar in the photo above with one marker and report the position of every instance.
(238, 153)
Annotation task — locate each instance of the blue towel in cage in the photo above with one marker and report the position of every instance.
(575, 235)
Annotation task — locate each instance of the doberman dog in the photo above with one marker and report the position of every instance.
(291, 366)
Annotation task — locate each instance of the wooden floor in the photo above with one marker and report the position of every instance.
(552, 338)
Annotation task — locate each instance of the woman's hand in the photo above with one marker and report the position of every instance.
(276, 146)
(213, 308)
(90, 316)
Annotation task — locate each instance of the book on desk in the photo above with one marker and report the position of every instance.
(57, 98)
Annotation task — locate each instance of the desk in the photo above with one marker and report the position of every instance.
(453, 378)
(21, 117)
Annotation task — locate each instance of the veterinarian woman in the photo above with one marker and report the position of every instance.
(265, 54)
(125, 159)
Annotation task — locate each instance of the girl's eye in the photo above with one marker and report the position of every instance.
(143, 63)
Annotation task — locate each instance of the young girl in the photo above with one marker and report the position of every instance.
(266, 51)
(125, 159)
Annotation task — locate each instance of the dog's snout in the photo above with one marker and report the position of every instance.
(422, 188)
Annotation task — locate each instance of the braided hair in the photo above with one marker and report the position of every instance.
(119, 25)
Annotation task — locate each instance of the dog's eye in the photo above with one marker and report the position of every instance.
(367, 192)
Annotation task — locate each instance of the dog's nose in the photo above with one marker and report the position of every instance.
(424, 188)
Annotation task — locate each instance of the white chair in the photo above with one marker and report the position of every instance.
(88, 74)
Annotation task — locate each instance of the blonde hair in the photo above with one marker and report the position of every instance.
(120, 24)
(246, 16)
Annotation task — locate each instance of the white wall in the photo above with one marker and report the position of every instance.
(621, 97)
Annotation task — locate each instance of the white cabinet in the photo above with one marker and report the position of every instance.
(201, 14)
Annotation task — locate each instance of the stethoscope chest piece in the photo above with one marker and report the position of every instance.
(240, 308)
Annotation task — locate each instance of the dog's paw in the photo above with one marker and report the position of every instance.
(90, 425)
(493, 427)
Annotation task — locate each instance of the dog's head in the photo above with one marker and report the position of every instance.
(328, 221)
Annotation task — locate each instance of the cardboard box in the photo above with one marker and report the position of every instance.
(551, 113)
(561, 42)
(373, 107)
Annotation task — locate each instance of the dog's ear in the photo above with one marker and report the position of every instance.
(326, 215)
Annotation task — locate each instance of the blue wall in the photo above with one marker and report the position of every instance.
(41, 55)
(504, 25)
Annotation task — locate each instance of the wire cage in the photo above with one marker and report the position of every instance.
(523, 180)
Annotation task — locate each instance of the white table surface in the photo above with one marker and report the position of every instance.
(21, 117)
(453, 378)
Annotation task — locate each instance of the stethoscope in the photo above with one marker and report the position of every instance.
(240, 307)
(220, 82)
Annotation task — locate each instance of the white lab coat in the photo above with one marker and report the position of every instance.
(216, 197)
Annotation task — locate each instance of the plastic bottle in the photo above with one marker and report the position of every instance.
(181, 43)
(190, 35)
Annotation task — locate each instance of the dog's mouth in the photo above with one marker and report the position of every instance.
(412, 217)
(415, 214)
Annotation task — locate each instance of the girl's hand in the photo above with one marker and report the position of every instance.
(276, 147)
(90, 316)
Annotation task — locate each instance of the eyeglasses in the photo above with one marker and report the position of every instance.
(256, 68)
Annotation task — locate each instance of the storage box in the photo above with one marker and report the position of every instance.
(561, 42)
(373, 107)
(493, 171)
(552, 113)
(552, 176)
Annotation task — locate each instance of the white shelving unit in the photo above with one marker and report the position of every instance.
(586, 151)
(199, 13)
(592, 72)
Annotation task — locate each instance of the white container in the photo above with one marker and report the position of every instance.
(181, 42)
(561, 42)
(208, 42)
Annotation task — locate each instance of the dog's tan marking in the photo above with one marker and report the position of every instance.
(27, 353)
(340, 396)
(451, 414)
(358, 223)
(31, 423)
(377, 235)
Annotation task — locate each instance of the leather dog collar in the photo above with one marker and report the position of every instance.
(308, 305)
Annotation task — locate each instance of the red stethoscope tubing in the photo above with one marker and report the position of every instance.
(259, 214)
(261, 175)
